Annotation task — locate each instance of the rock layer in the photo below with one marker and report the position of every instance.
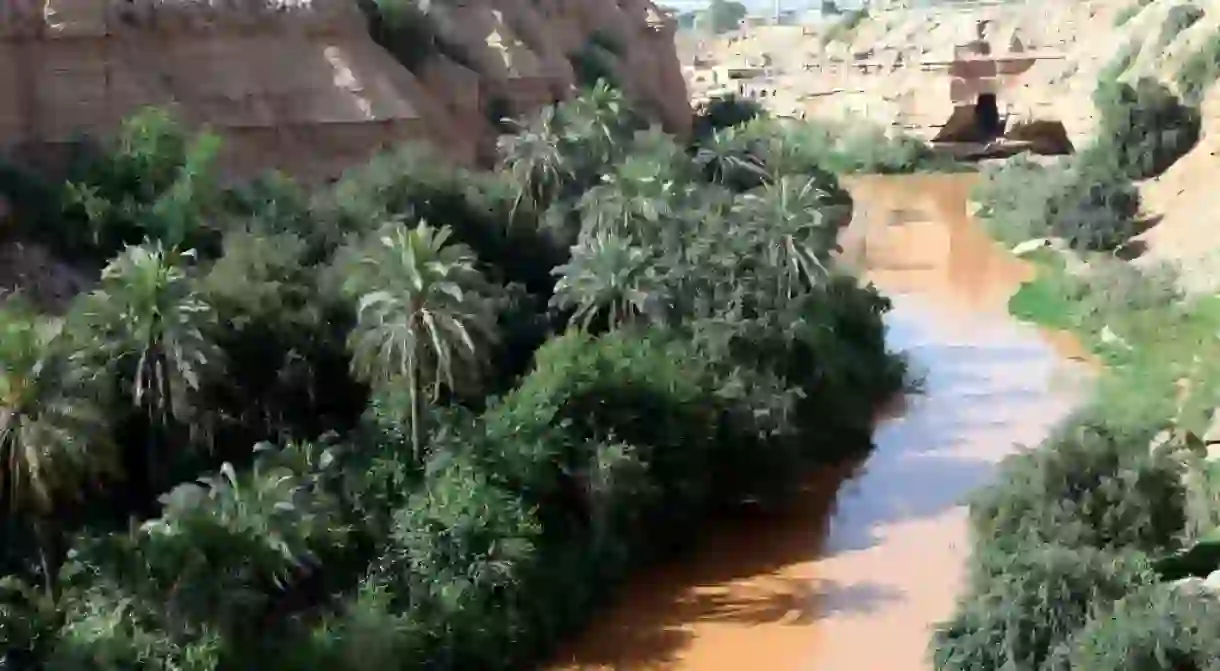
(299, 85)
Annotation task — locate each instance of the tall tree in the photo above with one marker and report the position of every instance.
(607, 281)
(146, 326)
(53, 434)
(725, 15)
(424, 317)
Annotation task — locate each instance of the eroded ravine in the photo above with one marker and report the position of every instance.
(854, 582)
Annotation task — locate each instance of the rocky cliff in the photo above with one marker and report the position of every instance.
(299, 85)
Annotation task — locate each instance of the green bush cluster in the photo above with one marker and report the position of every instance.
(815, 145)
(1177, 20)
(1151, 628)
(1024, 199)
(477, 401)
(1199, 71)
(1144, 129)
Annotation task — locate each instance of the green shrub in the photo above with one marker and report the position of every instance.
(1143, 130)
(1088, 485)
(1024, 605)
(838, 357)
(34, 203)
(611, 442)
(412, 181)
(871, 149)
(1178, 19)
(1200, 71)
(1088, 206)
(1157, 628)
(1112, 287)
(725, 15)
(458, 551)
(1094, 210)
(814, 146)
(366, 632)
(154, 181)
(27, 623)
(607, 41)
(598, 390)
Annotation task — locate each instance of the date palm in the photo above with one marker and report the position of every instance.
(423, 314)
(53, 434)
(608, 278)
(146, 326)
(726, 158)
(793, 231)
(535, 161)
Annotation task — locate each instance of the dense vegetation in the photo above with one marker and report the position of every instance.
(1178, 19)
(1089, 549)
(423, 417)
(1200, 70)
(737, 128)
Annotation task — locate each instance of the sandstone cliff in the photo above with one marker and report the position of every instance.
(299, 85)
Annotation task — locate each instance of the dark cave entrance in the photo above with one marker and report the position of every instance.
(987, 117)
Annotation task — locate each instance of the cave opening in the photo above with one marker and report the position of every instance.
(987, 117)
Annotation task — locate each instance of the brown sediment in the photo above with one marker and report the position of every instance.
(751, 585)
(854, 573)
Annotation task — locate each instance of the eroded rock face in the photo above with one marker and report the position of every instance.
(300, 88)
(299, 85)
(522, 48)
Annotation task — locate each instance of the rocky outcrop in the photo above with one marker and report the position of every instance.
(301, 89)
(523, 50)
(299, 85)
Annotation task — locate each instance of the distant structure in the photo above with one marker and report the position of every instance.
(978, 77)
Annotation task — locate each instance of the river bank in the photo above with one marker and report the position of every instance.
(815, 583)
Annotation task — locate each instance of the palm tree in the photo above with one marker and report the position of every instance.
(423, 314)
(631, 202)
(794, 227)
(607, 277)
(535, 161)
(53, 434)
(147, 327)
(726, 158)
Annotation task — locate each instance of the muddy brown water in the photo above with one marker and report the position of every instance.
(852, 575)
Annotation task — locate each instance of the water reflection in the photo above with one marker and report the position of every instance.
(854, 582)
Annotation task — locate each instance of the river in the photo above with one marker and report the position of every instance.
(854, 573)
